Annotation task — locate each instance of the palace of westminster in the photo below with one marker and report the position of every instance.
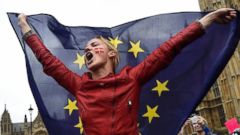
(220, 104)
(223, 100)
(36, 127)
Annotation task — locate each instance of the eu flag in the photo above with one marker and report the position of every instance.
(166, 100)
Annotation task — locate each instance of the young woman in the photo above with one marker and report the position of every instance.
(108, 102)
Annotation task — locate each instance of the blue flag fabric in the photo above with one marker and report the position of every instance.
(172, 94)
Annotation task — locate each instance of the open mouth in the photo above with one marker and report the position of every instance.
(89, 57)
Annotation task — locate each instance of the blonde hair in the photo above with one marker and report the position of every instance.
(111, 47)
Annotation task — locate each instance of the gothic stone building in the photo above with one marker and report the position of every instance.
(209, 5)
(9, 128)
(223, 100)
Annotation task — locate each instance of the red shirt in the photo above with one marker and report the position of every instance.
(109, 106)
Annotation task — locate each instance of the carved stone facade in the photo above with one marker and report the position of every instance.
(9, 128)
(223, 100)
(209, 5)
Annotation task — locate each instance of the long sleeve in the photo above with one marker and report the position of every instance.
(52, 66)
(164, 55)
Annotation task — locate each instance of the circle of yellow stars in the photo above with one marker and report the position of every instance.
(135, 49)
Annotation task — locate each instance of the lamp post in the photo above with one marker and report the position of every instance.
(30, 111)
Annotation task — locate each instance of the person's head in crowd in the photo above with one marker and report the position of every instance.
(198, 123)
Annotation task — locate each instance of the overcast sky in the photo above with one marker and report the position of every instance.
(14, 87)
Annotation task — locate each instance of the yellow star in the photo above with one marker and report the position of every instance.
(79, 60)
(135, 48)
(71, 106)
(160, 87)
(115, 41)
(79, 125)
(151, 113)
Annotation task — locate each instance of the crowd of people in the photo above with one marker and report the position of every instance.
(200, 127)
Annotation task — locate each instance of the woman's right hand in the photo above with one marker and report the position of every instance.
(23, 24)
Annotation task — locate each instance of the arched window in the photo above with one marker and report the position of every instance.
(5, 128)
(8, 128)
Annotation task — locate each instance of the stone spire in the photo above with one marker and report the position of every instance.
(25, 118)
(6, 123)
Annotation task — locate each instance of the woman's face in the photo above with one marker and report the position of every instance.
(197, 123)
(96, 54)
(197, 127)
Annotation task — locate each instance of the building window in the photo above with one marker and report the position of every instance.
(218, 101)
(5, 128)
(216, 91)
(217, 5)
(214, 6)
(221, 115)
